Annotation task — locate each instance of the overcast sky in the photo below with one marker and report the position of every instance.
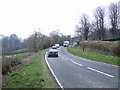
(22, 17)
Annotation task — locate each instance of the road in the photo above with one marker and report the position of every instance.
(75, 72)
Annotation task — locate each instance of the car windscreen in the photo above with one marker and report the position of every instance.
(52, 50)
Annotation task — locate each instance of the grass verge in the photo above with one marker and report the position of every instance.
(94, 56)
(33, 75)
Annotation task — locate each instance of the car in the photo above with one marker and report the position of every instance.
(57, 45)
(53, 47)
(53, 52)
(75, 44)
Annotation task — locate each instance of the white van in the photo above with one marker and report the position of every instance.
(57, 45)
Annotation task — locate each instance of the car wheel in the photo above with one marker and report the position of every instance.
(48, 55)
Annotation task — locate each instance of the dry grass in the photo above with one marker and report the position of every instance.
(11, 61)
(13, 64)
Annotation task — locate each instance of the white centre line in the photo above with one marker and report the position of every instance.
(90, 68)
(100, 72)
(76, 63)
(62, 57)
(71, 61)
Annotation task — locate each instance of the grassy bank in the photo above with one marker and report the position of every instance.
(9, 62)
(10, 57)
(94, 56)
(33, 75)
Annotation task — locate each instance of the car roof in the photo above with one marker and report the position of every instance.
(53, 46)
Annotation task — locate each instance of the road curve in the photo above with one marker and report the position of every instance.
(76, 72)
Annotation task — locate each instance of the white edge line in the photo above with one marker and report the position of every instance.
(100, 72)
(53, 74)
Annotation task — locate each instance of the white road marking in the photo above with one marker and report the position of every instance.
(67, 59)
(92, 60)
(89, 67)
(76, 63)
(100, 72)
(63, 57)
(59, 55)
(53, 74)
(71, 61)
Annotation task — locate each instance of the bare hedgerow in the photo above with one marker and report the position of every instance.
(105, 47)
(116, 50)
(8, 63)
(5, 67)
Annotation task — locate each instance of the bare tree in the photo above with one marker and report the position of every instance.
(33, 41)
(113, 15)
(119, 16)
(78, 32)
(99, 22)
(85, 26)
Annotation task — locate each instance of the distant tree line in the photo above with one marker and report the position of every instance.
(98, 29)
(34, 42)
(11, 43)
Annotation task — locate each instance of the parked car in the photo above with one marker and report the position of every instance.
(75, 44)
(53, 47)
(53, 52)
(57, 45)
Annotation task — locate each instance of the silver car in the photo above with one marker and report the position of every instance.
(53, 52)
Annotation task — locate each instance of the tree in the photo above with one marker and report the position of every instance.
(14, 42)
(47, 42)
(113, 16)
(85, 26)
(78, 33)
(56, 35)
(33, 41)
(99, 22)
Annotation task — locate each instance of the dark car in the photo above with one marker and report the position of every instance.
(53, 52)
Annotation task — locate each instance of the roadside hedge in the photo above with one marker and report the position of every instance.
(106, 47)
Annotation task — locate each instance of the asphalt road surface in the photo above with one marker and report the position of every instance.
(75, 72)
